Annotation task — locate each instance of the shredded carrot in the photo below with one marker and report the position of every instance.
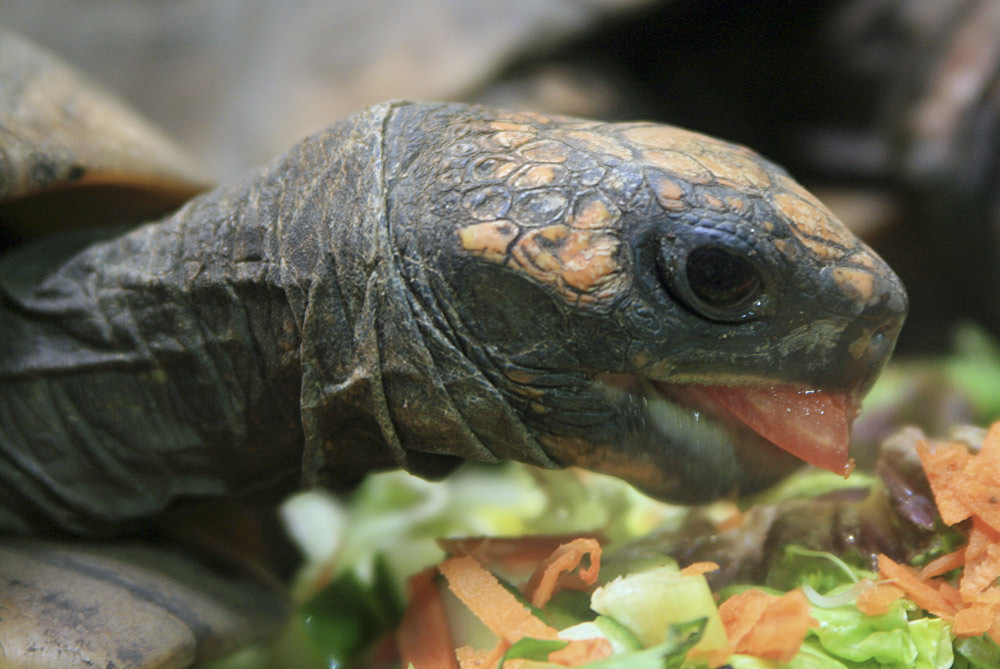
(470, 658)
(424, 636)
(699, 568)
(877, 599)
(563, 560)
(944, 467)
(965, 485)
(975, 620)
(768, 626)
(983, 568)
(950, 594)
(944, 564)
(923, 592)
(491, 602)
(518, 555)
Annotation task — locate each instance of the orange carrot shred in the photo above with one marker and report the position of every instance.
(950, 594)
(767, 626)
(965, 484)
(877, 599)
(470, 658)
(699, 568)
(983, 557)
(994, 632)
(489, 601)
(975, 620)
(989, 454)
(924, 594)
(740, 612)
(545, 581)
(942, 565)
(514, 554)
(945, 466)
(424, 635)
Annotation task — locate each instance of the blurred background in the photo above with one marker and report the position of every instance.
(888, 109)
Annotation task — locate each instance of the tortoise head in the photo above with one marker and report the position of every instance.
(632, 289)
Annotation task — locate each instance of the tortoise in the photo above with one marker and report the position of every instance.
(417, 285)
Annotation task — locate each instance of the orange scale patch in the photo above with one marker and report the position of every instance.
(822, 250)
(588, 260)
(538, 176)
(784, 247)
(489, 240)
(546, 151)
(580, 263)
(679, 164)
(669, 137)
(539, 119)
(713, 202)
(809, 217)
(597, 143)
(738, 205)
(511, 139)
(494, 168)
(787, 183)
(865, 260)
(594, 212)
(534, 253)
(734, 168)
(668, 192)
(856, 283)
(511, 126)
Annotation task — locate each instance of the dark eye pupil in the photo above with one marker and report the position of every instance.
(720, 279)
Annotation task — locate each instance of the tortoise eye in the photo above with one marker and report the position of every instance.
(720, 280)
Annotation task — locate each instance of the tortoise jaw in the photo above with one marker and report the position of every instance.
(671, 449)
(683, 445)
(811, 424)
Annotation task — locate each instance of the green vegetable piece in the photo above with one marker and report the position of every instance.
(977, 653)
(648, 603)
(532, 649)
(617, 634)
(670, 654)
(891, 639)
(809, 657)
(621, 640)
(567, 608)
(932, 637)
(822, 570)
(344, 618)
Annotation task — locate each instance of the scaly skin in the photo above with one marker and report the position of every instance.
(421, 284)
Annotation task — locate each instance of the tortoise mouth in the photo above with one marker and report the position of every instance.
(813, 425)
(711, 440)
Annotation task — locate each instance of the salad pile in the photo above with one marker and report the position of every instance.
(510, 566)
(595, 574)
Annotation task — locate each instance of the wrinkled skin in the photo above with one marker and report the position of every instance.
(421, 284)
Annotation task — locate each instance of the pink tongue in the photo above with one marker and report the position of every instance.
(813, 425)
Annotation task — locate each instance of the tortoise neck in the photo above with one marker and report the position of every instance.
(163, 365)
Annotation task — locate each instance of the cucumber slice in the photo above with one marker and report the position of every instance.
(621, 640)
(649, 602)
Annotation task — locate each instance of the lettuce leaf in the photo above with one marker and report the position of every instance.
(889, 640)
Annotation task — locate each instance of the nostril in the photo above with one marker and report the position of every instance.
(873, 346)
(877, 342)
